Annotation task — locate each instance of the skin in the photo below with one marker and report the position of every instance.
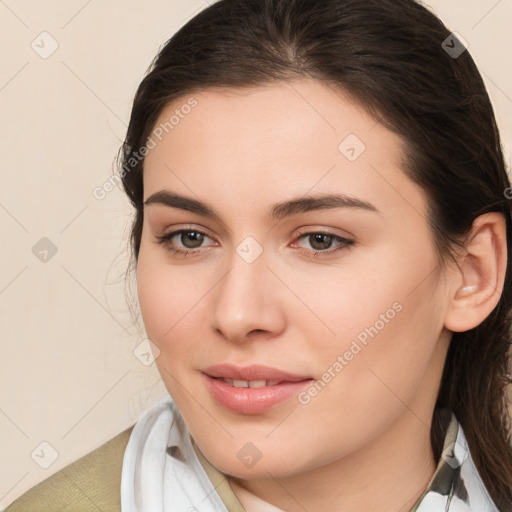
(363, 442)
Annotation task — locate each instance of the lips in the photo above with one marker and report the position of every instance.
(252, 373)
(252, 389)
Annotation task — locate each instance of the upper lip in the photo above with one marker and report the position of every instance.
(252, 372)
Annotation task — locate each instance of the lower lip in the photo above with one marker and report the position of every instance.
(252, 400)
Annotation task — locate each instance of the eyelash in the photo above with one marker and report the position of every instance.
(344, 243)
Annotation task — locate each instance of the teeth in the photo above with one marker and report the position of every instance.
(257, 383)
(250, 383)
(240, 384)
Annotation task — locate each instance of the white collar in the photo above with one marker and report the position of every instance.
(162, 473)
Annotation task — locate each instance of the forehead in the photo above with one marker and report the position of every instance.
(274, 141)
(278, 115)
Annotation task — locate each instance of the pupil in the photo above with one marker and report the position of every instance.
(197, 239)
(318, 238)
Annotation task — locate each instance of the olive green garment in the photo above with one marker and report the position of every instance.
(91, 483)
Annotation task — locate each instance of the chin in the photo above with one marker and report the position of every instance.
(246, 461)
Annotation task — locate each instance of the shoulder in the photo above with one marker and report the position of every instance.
(92, 482)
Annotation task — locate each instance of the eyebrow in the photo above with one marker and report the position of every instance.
(278, 211)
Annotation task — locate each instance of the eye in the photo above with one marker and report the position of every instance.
(190, 240)
(321, 243)
(183, 242)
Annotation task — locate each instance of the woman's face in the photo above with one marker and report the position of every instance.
(306, 271)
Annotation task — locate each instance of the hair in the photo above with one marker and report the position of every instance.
(389, 56)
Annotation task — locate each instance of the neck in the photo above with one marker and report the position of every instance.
(389, 474)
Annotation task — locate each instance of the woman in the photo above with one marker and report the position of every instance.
(320, 239)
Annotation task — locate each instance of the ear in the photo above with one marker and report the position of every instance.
(478, 282)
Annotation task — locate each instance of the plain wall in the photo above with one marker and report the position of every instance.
(69, 376)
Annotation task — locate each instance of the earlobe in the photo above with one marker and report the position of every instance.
(478, 281)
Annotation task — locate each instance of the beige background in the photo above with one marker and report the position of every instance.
(69, 376)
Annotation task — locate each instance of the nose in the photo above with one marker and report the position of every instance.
(248, 302)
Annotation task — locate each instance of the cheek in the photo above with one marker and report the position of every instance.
(375, 372)
(356, 303)
(175, 303)
(154, 296)
(166, 295)
(387, 322)
(168, 304)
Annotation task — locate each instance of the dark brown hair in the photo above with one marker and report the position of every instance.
(391, 56)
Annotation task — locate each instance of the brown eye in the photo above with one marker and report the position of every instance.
(323, 244)
(320, 241)
(182, 241)
(191, 239)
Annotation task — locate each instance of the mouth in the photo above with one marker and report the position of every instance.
(252, 373)
(250, 383)
(252, 389)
